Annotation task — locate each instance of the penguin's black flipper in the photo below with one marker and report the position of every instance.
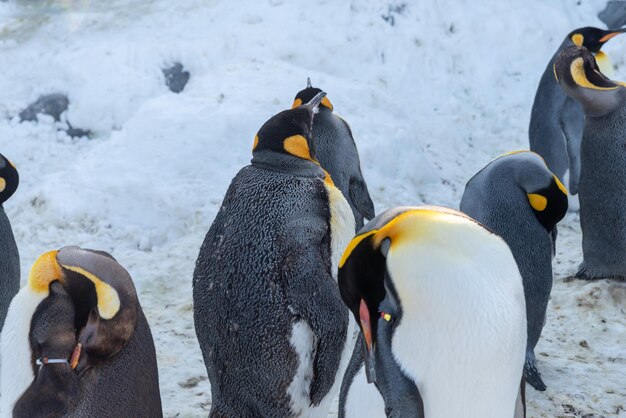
(314, 298)
(360, 196)
(356, 362)
(532, 376)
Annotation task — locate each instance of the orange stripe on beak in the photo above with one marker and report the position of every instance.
(609, 36)
(366, 325)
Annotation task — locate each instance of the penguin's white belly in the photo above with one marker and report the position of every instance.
(16, 374)
(363, 399)
(303, 342)
(464, 345)
(341, 225)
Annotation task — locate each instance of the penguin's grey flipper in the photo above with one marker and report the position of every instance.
(531, 374)
(572, 123)
(315, 299)
(360, 196)
(520, 403)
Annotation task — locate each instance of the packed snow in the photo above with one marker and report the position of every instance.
(433, 91)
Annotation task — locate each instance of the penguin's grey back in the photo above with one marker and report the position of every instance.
(602, 193)
(337, 153)
(493, 198)
(9, 266)
(244, 311)
(556, 124)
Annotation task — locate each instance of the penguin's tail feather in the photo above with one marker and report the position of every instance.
(532, 374)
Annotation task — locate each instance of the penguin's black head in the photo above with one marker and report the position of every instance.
(304, 96)
(592, 38)
(290, 131)
(9, 179)
(549, 203)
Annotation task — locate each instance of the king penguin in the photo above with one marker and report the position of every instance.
(440, 305)
(603, 163)
(518, 198)
(556, 121)
(273, 330)
(336, 152)
(9, 255)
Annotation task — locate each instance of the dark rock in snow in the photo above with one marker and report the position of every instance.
(614, 14)
(175, 78)
(53, 105)
(50, 104)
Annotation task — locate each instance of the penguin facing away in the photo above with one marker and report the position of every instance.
(78, 342)
(274, 333)
(412, 279)
(336, 151)
(603, 163)
(518, 198)
(9, 255)
(556, 121)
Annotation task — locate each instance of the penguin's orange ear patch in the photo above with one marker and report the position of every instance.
(3, 184)
(256, 142)
(578, 39)
(537, 201)
(296, 103)
(327, 103)
(298, 146)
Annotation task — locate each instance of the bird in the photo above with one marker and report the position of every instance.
(556, 121)
(337, 153)
(439, 302)
(603, 163)
(273, 330)
(518, 198)
(9, 254)
(78, 342)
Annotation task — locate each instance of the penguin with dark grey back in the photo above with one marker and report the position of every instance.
(78, 342)
(518, 198)
(603, 163)
(556, 121)
(9, 255)
(273, 330)
(337, 153)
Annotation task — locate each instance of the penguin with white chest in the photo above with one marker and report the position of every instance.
(336, 151)
(556, 120)
(518, 198)
(9, 255)
(603, 163)
(440, 303)
(273, 330)
(77, 344)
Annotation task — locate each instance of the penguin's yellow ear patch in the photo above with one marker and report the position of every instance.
(3, 184)
(560, 185)
(578, 39)
(45, 271)
(108, 299)
(327, 103)
(298, 146)
(577, 69)
(296, 103)
(256, 142)
(537, 201)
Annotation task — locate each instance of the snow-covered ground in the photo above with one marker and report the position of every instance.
(433, 89)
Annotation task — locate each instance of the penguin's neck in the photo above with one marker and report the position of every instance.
(286, 163)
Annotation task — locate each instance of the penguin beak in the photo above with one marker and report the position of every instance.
(366, 328)
(611, 35)
(315, 101)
